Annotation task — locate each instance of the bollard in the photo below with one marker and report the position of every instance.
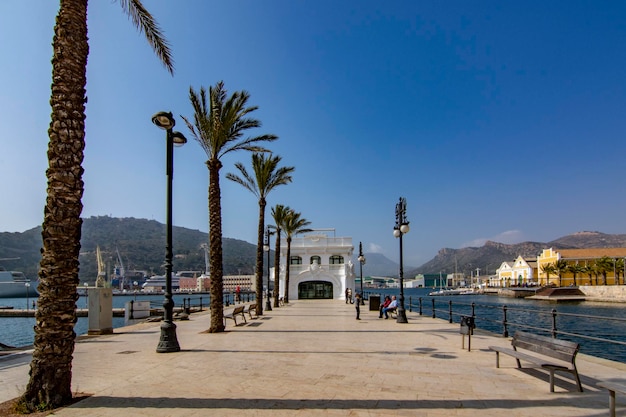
(433, 300)
(410, 305)
(131, 310)
(553, 323)
(505, 333)
(450, 311)
(420, 299)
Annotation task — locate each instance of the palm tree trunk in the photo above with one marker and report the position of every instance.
(277, 269)
(51, 365)
(215, 243)
(287, 267)
(259, 259)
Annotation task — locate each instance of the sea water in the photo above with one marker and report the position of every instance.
(19, 331)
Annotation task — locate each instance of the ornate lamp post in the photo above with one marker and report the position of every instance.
(401, 228)
(361, 259)
(266, 248)
(168, 341)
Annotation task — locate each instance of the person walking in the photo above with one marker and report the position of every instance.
(357, 305)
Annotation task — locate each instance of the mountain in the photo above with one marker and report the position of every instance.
(376, 264)
(490, 256)
(140, 243)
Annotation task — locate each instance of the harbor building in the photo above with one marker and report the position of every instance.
(596, 266)
(320, 266)
(564, 267)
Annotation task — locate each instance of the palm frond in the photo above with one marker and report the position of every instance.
(143, 20)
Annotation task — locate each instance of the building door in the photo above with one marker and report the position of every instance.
(315, 290)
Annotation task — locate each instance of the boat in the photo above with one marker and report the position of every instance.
(447, 291)
(156, 283)
(14, 284)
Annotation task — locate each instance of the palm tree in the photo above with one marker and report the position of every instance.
(292, 225)
(548, 269)
(279, 212)
(218, 126)
(267, 176)
(576, 269)
(51, 366)
(603, 265)
(560, 266)
(589, 270)
(619, 269)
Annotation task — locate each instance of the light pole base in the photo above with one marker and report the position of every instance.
(169, 341)
(268, 306)
(401, 316)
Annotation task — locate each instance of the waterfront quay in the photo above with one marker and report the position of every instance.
(312, 358)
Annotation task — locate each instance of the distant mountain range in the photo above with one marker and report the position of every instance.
(140, 243)
(490, 256)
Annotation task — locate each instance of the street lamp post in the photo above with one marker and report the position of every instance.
(401, 228)
(361, 259)
(266, 248)
(168, 341)
(27, 285)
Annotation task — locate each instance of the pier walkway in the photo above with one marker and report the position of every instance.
(312, 358)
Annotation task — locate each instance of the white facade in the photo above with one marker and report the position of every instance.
(320, 267)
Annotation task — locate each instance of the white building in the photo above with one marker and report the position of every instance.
(320, 266)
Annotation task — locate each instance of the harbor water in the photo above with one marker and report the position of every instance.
(18, 331)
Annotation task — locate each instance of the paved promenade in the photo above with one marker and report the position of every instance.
(312, 358)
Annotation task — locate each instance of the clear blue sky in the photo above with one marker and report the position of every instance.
(496, 120)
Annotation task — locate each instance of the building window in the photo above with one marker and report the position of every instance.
(316, 259)
(336, 259)
(295, 260)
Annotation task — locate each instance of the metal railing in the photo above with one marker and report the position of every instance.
(501, 319)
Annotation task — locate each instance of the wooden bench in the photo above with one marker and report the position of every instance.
(252, 308)
(613, 387)
(238, 311)
(556, 354)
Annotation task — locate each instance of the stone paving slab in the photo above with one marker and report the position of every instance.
(312, 358)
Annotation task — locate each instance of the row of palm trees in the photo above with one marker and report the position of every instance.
(218, 124)
(597, 268)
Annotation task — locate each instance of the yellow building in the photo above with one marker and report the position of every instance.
(520, 272)
(595, 266)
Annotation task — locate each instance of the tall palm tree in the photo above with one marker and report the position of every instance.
(548, 269)
(560, 266)
(292, 225)
(218, 126)
(51, 366)
(279, 212)
(267, 176)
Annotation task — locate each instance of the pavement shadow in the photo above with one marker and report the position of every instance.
(320, 404)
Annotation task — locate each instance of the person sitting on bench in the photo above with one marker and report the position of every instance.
(392, 307)
(383, 305)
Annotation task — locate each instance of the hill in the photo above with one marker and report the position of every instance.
(140, 242)
(489, 257)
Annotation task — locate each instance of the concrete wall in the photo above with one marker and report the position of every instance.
(615, 293)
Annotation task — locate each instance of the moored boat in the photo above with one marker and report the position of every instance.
(14, 284)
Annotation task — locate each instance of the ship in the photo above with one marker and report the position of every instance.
(14, 284)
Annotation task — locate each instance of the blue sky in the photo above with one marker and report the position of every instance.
(495, 120)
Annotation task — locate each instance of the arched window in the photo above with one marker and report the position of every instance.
(336, 259)
(295, 260)
(316, 259)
